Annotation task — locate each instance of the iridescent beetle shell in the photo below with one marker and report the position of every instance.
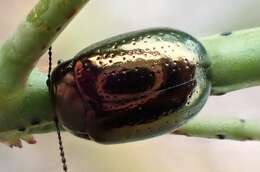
(132, 86)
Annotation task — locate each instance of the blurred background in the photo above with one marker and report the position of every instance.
(101, 19)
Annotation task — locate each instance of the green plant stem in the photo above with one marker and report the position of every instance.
(22, 102)
(235, 60)
(235, 65)
(19, 54)
(221, 128)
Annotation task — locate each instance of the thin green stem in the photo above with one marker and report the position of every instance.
(221, 128)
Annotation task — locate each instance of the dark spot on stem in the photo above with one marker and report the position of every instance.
(35, 121)
(58, 29)
(242, 120)
(179, 132)
(217, 94)
(221, 136)
(21, 128)
(249, 138)
(226, 33)
(72, 13)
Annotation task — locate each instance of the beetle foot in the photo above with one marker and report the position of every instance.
(16, 140)
(15, 143)
(29, 139)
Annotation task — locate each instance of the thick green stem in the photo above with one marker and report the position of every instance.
(235, 59)
(22, 103)
(221, 128)
(19, 54)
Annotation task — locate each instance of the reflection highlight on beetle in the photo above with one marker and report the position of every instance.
(132, 86)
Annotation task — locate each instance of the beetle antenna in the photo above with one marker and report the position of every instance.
(56, 120)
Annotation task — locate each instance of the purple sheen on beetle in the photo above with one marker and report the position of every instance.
(132, 86)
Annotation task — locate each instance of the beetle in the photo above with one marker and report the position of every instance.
(132, 86)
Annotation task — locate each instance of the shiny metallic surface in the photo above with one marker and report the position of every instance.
(132, 86)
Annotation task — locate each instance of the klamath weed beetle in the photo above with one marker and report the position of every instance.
(132, 86)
